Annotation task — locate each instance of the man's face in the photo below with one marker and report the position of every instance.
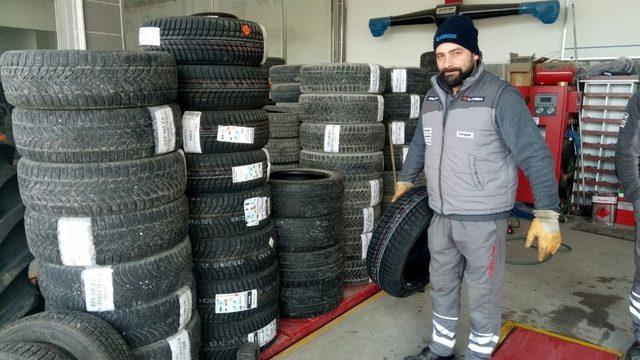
(455, 63)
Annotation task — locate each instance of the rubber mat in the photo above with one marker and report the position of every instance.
(526, 343)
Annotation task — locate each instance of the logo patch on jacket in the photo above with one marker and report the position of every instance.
(624, 119)
(428, 133)
(433, 98)
(472, 98)
(464, 134)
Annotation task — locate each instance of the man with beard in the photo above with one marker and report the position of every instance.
(474, 131)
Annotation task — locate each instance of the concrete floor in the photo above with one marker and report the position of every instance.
(581, 293)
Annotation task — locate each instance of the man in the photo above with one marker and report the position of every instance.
(474, 131)
(627, 167)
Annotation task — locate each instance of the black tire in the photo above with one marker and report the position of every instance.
(364, 193)
(88, 79)
(284, 74)
(355, 245)
(285, 166)
(273, 61)
(14, 256)
(411, 80)
(213, 173)
(11, 208)
(91, 136)
(398, 256)
(83, 336)
(402, 132)
(222, 340)
(134, 283)
(306, 193)
(225, 214)
(248, 351)
(402, 106)
(284, 125)
(355, 273)
(341, 108)
(207, 40)
(32, 351)
(338, 78)
(96, 189)
(428, 61)
(19, 298)
(308, 234)
(150, 322)
(351, 165)
(187, 338)
(115, 238)
(285, 93)
(208, 269)
(219, 87)
(233, 246)
(360, 221)
(399, 152)
(283, 150)
(311, 268)
(310, 301)
(260, 290)
(351, 138)
(225, 131)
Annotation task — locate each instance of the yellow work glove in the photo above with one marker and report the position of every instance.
(401, 188)
(546, 228)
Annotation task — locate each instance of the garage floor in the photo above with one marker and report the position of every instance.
(582, 293)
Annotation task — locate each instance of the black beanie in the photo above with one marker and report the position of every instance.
(458, 29)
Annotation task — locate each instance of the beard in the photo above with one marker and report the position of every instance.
(454, 77)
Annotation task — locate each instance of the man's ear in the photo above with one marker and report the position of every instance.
(476, 57)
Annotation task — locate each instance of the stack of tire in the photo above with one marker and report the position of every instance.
(307, 214)
(285, 85)
(103, 183)
(403, 99)
(341, 113)
(18, 296)
(268, 64)
(222, 89)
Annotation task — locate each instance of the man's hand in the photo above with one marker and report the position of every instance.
(546, 228)
(401, 188)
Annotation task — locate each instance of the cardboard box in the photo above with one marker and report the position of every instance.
(521, 69)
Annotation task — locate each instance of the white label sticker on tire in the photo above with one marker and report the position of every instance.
(149, 36)
(374, 79)
(164, 128)
(255, 210)
(186, 305)
(369, 220)
(98, 288)
(405, 151)
(399, 80)
(180, 345)
(397, 132)
(380, 108)
(415, 107)
(332, 138)
(366, 239)
(75, 241)
(235, 134)
(246, 172)
(271, 242)
(231, 303)
(264, 335)
(266, 152)
(191, 132)
(264, 41)
(375, 192)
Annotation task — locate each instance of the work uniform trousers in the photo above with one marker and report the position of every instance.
(473, 251)
(635, 290)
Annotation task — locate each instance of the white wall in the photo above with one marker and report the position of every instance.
(403, 45)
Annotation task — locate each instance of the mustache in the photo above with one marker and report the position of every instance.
(452, 70)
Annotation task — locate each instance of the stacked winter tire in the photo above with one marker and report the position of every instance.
(222, 89)
(307, 213)
(103, 183)
(341, 113)
(403, 99)
(284, 118)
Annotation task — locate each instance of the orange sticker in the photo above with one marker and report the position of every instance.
(246, 29)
